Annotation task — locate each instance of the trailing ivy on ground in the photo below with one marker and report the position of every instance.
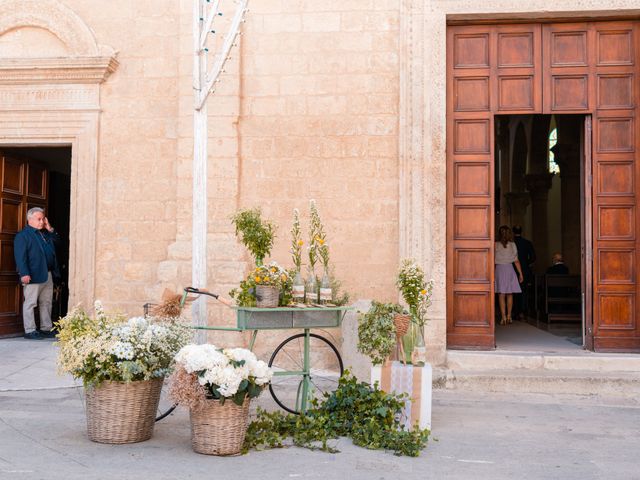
(364, 413)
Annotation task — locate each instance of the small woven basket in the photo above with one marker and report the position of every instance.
(401, 322)
(218, 429)
(267, 296)
(119, 412)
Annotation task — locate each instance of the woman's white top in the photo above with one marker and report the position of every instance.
(505, 255)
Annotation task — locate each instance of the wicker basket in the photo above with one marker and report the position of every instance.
(401, 322)
(218, 429)
(119, 412)
(267, 296)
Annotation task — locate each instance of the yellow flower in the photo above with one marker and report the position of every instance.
(423, 292)
(320, 241)
(300, 242)
(273, 269)
(257, 279)
(283, 277)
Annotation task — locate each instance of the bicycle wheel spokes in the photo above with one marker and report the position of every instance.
(325, 368)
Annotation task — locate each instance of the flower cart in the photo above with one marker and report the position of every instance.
(306, 365)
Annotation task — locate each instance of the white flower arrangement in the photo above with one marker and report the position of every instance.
(112, 347)
(205, 371)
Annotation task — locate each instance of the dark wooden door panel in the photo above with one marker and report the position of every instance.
(492, 69)
(614, 73)
(586, 68)
(24, 184)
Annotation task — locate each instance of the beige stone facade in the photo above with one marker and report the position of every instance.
(342, 101)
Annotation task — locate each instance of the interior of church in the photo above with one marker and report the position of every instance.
(539, 172)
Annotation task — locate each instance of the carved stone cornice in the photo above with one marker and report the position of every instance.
(20, 71)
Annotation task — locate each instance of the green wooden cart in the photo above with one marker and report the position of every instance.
(306, 365)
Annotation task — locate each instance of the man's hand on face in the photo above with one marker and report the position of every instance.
(47, 225)
(26, 279)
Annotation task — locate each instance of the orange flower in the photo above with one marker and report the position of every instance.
(283, 277)
(257, 279)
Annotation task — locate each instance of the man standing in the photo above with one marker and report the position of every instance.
(35, 252)
(527, 257)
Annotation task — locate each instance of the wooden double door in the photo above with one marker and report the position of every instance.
(556, 68)
(23, 185)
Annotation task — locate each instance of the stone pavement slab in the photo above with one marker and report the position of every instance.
(30, 364)
(476, 435)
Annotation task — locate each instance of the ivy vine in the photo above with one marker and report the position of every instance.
(362, 412)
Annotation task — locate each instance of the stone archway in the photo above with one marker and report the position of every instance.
(50, 95)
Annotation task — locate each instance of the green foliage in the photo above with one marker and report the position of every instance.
(376, 331)
(296, 241)
(411, 284)
(338, 296)
(366, 414)
(245, 294)
(257, 234)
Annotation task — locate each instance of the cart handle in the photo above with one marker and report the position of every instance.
(200, 291)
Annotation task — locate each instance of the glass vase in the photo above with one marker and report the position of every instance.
(297, 288)
(311, 289)
(326, 294)
(419, 351)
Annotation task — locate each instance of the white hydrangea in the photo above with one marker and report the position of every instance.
(216, 369)
(158, 330)
(197, 358)
(123, 350)
(239, 354)
(138, 322)
(124, 332)
(262, 373)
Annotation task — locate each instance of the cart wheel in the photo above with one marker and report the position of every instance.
(165, 406)
(325, 369)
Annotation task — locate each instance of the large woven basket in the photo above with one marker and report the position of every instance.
(218, 429)
(267, 296)
(119, 412)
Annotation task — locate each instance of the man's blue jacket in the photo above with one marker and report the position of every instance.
(30, 257)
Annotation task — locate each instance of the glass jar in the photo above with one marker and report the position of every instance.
(297, 288)
(311, 288)
(326, 294)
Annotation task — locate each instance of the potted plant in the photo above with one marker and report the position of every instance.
(217, 385)
(122, 363)
(256, 234)
(377, 331)
(269, 280)
(417, 293)
(265, 286)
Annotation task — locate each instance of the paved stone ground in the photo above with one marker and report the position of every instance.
(475, 436)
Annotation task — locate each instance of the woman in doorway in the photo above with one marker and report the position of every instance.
(507, 284)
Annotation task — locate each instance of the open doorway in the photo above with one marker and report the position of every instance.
(32, 177)
(539, 178)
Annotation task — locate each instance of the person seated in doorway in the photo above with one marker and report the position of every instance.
(558, 267)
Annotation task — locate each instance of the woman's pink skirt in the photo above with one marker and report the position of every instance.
(506, 279)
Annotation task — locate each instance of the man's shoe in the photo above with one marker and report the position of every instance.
(35, 335)
(48, 334)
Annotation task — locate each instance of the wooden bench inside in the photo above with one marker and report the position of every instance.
(563, 297)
